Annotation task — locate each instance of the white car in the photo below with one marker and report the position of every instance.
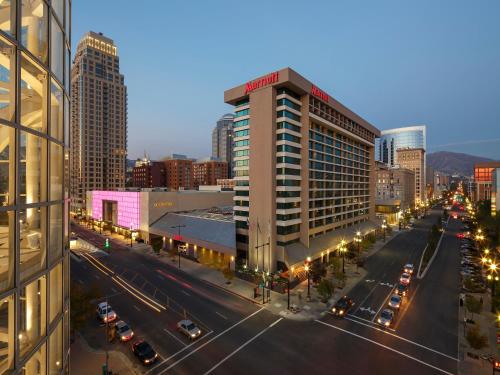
(395, 301)
(105, 312)
(189, 329)
(408, 268)
(386, 317)
(405, 278)
(123, 331)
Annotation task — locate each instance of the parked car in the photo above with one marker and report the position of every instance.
(123, 331)
(405, 278)
(188, 328)
(386, 317)
(408, 268)
(402, 290)
(342, 306)
(395, 301)
(144, 352)
(105, 312)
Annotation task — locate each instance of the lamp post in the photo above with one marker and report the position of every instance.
(342, 250)
(358, 240)
(288, 287)
(131, 229)
(493, 277)
(384, 226)
(100, 225)
(308, 282)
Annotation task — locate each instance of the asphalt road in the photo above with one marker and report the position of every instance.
(242, 338)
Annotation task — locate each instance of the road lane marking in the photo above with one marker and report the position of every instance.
(114, 290)
(405, 340)
(364, 300)
(186, 293)
(385, 347)
(222, 316)
(242, 346)
(175, 337)
(138, 309)
(370, 324)
(180, 351)
(384, 302)
(209, 341)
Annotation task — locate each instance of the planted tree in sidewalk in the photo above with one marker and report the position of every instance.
(473, 305)
(475, 339)
(228, 274)
(325, 289)
(82, 308)
(318, 270)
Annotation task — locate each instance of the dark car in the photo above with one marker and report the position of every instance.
(342, 306)
(144, 352)
(402, 290)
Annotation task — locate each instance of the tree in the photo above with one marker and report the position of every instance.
(475, 339)
(318, 271)
(228, 274)
(473, 305)
(81, 303)
(325, 289)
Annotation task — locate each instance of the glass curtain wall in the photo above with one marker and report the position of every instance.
(34, 115)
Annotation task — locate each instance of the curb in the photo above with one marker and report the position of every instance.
(421, 276)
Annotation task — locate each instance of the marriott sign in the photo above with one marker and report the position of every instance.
(261, 82)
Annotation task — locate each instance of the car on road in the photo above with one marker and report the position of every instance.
(405, 278)
(402, 290)
(386, 317)
(105, 312)
(342, 306)
(395, 301)
(123, 331)
(144, 352)
(408, 268)
(188, 328)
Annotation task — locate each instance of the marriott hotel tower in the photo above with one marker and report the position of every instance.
(304, 171)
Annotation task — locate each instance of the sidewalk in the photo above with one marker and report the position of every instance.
(470, 361)
(85, 360)
(308, 310)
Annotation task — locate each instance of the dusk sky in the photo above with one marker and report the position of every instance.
(395, 63)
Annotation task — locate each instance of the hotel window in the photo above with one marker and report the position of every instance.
(7, 321)
(7, 70)
(33, 151)
(242, 113)
(33, 89)
(288, 114)
(7, 230)
(32, 240)
(34, 29)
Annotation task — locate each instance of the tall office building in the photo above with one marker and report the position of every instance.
(179, 172)
(393, 139)
(222, 141)
(34, 133)
(304, 171)
(207, 172)
(98, 120)
(414, 160)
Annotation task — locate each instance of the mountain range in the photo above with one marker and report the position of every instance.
(454, 162)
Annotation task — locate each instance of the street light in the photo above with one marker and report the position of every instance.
(308, 283)
(342, 250)
(358, 240)
(493, 277)
(383, 227)
(131, 229)
(288, 287)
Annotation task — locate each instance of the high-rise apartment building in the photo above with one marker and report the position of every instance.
(98, 119)
(207, 172)
(304, 171)
(34, 133)
(179, 172)
(222, 141)
(393, 139)
(414, 160)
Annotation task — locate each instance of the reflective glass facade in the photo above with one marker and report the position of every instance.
(392, 140)
(34, 114)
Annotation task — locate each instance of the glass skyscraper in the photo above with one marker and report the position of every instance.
(393, 139)
(34, 134)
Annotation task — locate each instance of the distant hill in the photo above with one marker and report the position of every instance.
(454, 162)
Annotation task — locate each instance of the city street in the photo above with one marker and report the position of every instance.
(240, 337)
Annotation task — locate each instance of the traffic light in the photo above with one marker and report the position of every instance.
(106, 244)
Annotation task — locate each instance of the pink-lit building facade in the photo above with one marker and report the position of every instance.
(137, 210)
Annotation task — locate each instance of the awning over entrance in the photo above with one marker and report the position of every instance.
(296, 253)
(212, 234)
